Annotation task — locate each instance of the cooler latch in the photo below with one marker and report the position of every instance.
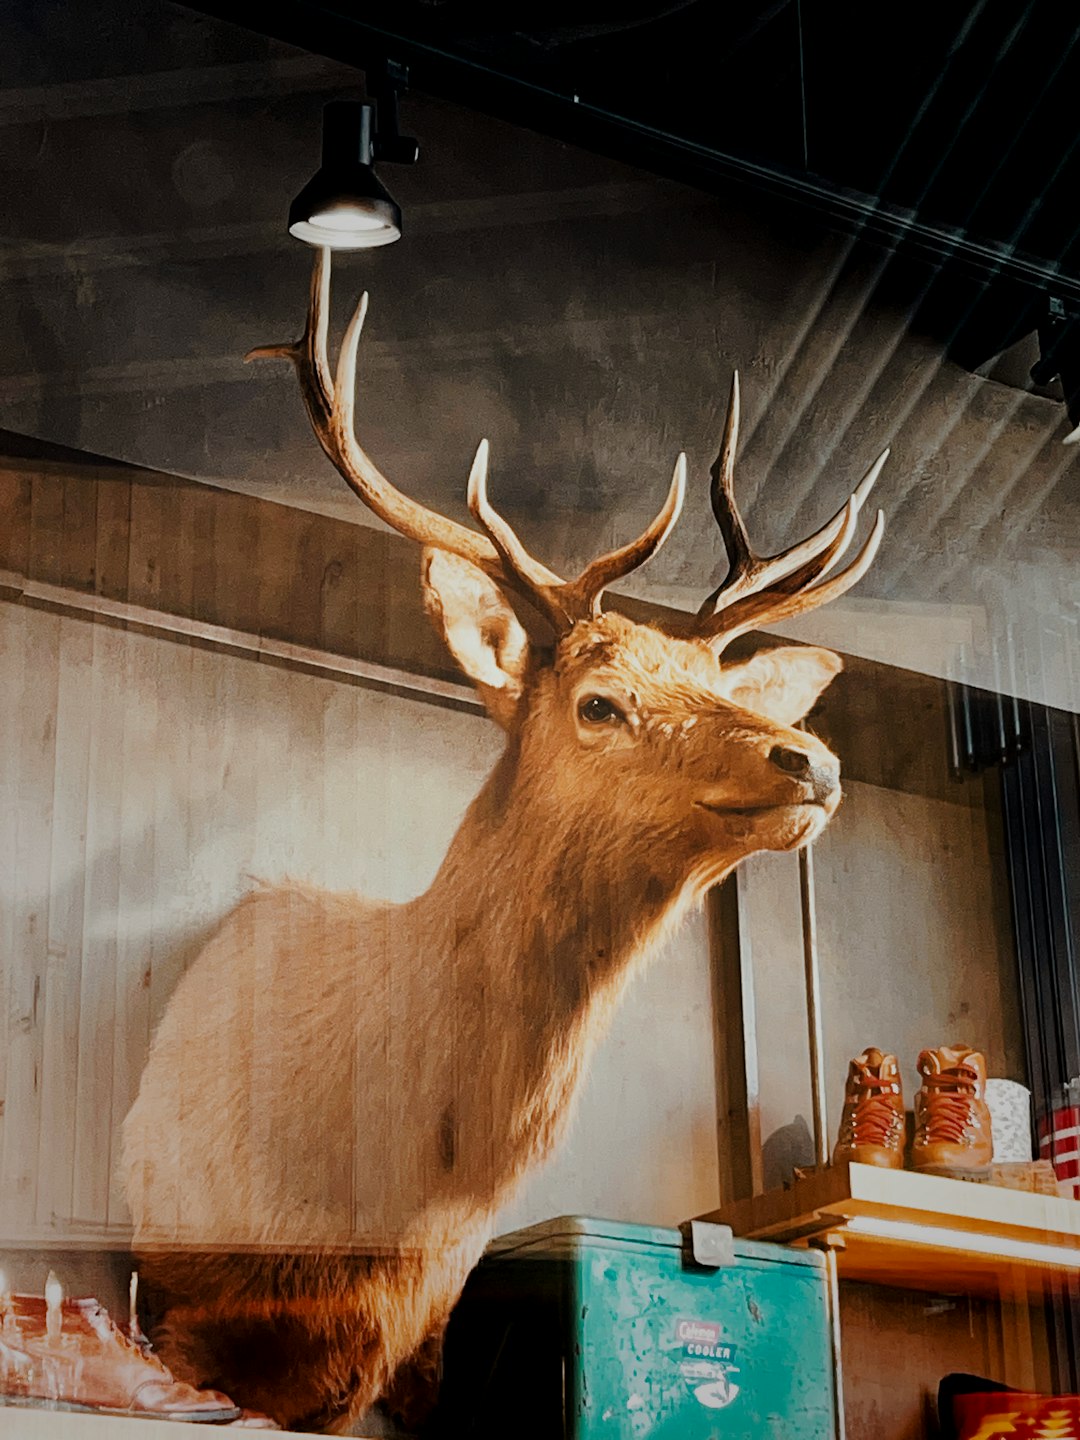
(708, 1245)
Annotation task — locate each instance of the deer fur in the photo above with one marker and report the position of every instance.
(343, 1093)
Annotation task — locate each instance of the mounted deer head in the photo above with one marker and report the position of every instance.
(618, 708)
(329, 1176)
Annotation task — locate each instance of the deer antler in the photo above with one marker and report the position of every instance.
(759, 590)
(331, 403)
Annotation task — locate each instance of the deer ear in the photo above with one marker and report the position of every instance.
(482, 632)
(781, 684)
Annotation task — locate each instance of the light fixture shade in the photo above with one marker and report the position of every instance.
(345, 211)
(344, 206)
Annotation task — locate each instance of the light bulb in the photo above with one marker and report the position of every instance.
(347, 217)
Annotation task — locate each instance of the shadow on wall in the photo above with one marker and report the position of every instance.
(790, 1146)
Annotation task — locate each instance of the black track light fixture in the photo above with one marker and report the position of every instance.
(1059, 357)
(345, 206)
(1016, 335)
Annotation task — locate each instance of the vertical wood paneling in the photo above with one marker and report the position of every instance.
(204, 561)
(272, 852)
(345, 576)
(236, 580)
(15, 492)
(73, 565)
(177, 786)
(139, 748)
(77, 563)
(111, 538)
(96, 1125)
(45, 556)
(12, 652)
(93, 1099)
(36, 732)
(63, 892)
(138, 740)
(150, 510)
(341, 794)
(36, 729)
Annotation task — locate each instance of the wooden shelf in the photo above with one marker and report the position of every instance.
(921, 1232)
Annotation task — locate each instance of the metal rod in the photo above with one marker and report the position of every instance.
(813, 1005)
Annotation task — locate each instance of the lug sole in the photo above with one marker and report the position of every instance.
(980, 1173)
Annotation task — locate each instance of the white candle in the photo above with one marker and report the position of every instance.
(54, 1295)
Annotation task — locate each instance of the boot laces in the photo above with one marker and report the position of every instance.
(873, 1117)
(949, 1099)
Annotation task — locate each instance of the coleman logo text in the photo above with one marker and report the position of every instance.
(700, 1332)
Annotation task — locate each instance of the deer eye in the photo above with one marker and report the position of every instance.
(598, 711)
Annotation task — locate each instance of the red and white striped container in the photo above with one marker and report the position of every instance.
(1059, 1142)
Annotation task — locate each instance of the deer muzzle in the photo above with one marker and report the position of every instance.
(821, 779)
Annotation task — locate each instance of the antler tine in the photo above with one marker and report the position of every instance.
(539, 583)
(317, 329)
(766, 608)
(331, 405)
(749, 572)
(741, 557)
(406, 516)
(759, 602)
(566, 601)
(758, 590)
(309, 353)
(606, 569)
(767, 572)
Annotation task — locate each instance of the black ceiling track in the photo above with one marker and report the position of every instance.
(496, 77)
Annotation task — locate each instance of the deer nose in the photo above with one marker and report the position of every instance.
(792, 762)
(822, 779)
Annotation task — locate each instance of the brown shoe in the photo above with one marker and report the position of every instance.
(872, 1126)
(92, 1365)
(952, 1121)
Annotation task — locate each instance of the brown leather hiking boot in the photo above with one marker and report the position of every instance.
(872, 1126)
(952, 1122)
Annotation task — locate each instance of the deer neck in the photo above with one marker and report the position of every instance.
(522, 947)
(542, 915)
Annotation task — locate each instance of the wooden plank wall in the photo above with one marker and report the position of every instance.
(144, 780)
(170, 776)
(95, 828)
(223, 558)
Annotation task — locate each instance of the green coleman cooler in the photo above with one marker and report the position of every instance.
(583, 1329)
